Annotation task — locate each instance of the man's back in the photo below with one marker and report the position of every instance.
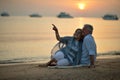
(88, 48)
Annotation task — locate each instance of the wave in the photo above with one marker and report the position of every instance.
(25, 60)
(45, 59)
(109, 53)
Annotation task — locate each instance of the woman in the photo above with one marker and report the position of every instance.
(71, 53)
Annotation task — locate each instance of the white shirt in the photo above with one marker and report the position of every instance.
(88, 48)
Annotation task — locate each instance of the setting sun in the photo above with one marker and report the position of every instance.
(81, 6)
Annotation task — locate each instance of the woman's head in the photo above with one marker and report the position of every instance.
(78, 34)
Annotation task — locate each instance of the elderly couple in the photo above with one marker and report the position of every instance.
(80, 49)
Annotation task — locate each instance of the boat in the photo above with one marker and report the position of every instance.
(110, 17)
(35, 15)
(64, 15)
(5, 14)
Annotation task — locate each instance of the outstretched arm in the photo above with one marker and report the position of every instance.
(56, 32)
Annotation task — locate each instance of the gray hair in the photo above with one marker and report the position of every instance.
(89, 27)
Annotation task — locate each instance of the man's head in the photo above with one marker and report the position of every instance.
(87, 29)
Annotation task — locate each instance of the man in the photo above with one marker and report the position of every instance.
(89, 47)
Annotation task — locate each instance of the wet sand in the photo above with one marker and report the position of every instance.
(107, 68)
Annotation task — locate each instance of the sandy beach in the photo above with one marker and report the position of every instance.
(107, 68)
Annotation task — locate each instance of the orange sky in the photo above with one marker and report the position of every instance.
(95, 8)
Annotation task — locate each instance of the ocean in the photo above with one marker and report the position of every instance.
(24, 39)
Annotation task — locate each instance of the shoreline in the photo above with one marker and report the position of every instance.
(107, 68)
(35, 60)
(102, 56)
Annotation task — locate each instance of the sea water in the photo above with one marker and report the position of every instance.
(26, 39)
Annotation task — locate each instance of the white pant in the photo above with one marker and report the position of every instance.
(61, 61)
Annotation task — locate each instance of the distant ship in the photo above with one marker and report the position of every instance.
(35, 15)
(64, 15)
(110, 17)
(5, 14)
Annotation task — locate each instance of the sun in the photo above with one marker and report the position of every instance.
(81, 6)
